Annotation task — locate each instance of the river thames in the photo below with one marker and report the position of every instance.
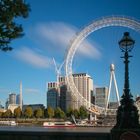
(44, 133)
(62, 129)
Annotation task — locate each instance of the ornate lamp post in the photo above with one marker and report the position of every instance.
(127, 113)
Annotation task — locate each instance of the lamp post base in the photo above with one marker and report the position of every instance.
(125, 134)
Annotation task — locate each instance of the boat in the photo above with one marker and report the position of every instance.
(58, 124)
(11, 123)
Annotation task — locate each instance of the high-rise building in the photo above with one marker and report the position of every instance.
(84, 85)
(101, 96)
(52, 95)
(18, 99)
(12, 98)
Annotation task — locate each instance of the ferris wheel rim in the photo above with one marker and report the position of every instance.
(109, 21)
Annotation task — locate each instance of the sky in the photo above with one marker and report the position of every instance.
(47, 33)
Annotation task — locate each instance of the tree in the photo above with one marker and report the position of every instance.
(28, 113)
(10, 10)
(1, 114)
(69, 112)
(38, 113)
(83, 112)
(46, 113)
(50, 112)
(17, 112)
(76, 113)
(7, 114)
(58, 113)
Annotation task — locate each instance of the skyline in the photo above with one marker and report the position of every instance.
(48, 30)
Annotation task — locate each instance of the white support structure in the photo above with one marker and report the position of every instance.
(58, 70)
(112, 79)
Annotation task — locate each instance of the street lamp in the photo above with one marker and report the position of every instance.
(126, 44)
(127, 113)
(127, 123)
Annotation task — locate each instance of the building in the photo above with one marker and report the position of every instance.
(101, 96)
(53, 95)
(7, 103)
(84, 85)
(34, 106)
(18, 99)
(12, 98)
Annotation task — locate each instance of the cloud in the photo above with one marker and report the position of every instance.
(31, 90)
(34, 58)
(58, 36)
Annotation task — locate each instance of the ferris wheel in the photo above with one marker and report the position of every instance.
(75, 43)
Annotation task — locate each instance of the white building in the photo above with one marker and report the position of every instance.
(84, 85)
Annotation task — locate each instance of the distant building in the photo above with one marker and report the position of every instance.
(84, 85)
(101, 96)
(34, 106)
(7, 103)
(63, 97)
(18, 99)
(92, 98)
(52, 95)
(12, 98)
(113, 105)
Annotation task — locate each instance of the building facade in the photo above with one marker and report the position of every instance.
(84, 85)
(12, 98)
(52, 95)
(101, 96)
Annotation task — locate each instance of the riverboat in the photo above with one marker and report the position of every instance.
(58, 124)
(11, 123)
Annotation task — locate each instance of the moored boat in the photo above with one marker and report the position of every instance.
(58, 124)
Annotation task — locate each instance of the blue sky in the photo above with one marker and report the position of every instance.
(48, 30)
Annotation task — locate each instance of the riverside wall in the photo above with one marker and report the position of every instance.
(26, 135)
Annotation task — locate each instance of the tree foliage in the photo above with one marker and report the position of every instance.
(8, 114)
(28, 113)
(69, 112)
(50, 112)
(38, 113)
(83, 112)
(59, 113)
(17, 112)
(76, 113)
(10, 10)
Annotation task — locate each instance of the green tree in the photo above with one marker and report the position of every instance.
(8, 114)
(69, 112)
(76, 113)
(17, 112)
(28, 113)
(10, 10)
(38, 113)
(50, 112)
(46, 113)
(58, 113)
(1, 114)
(83, 112)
